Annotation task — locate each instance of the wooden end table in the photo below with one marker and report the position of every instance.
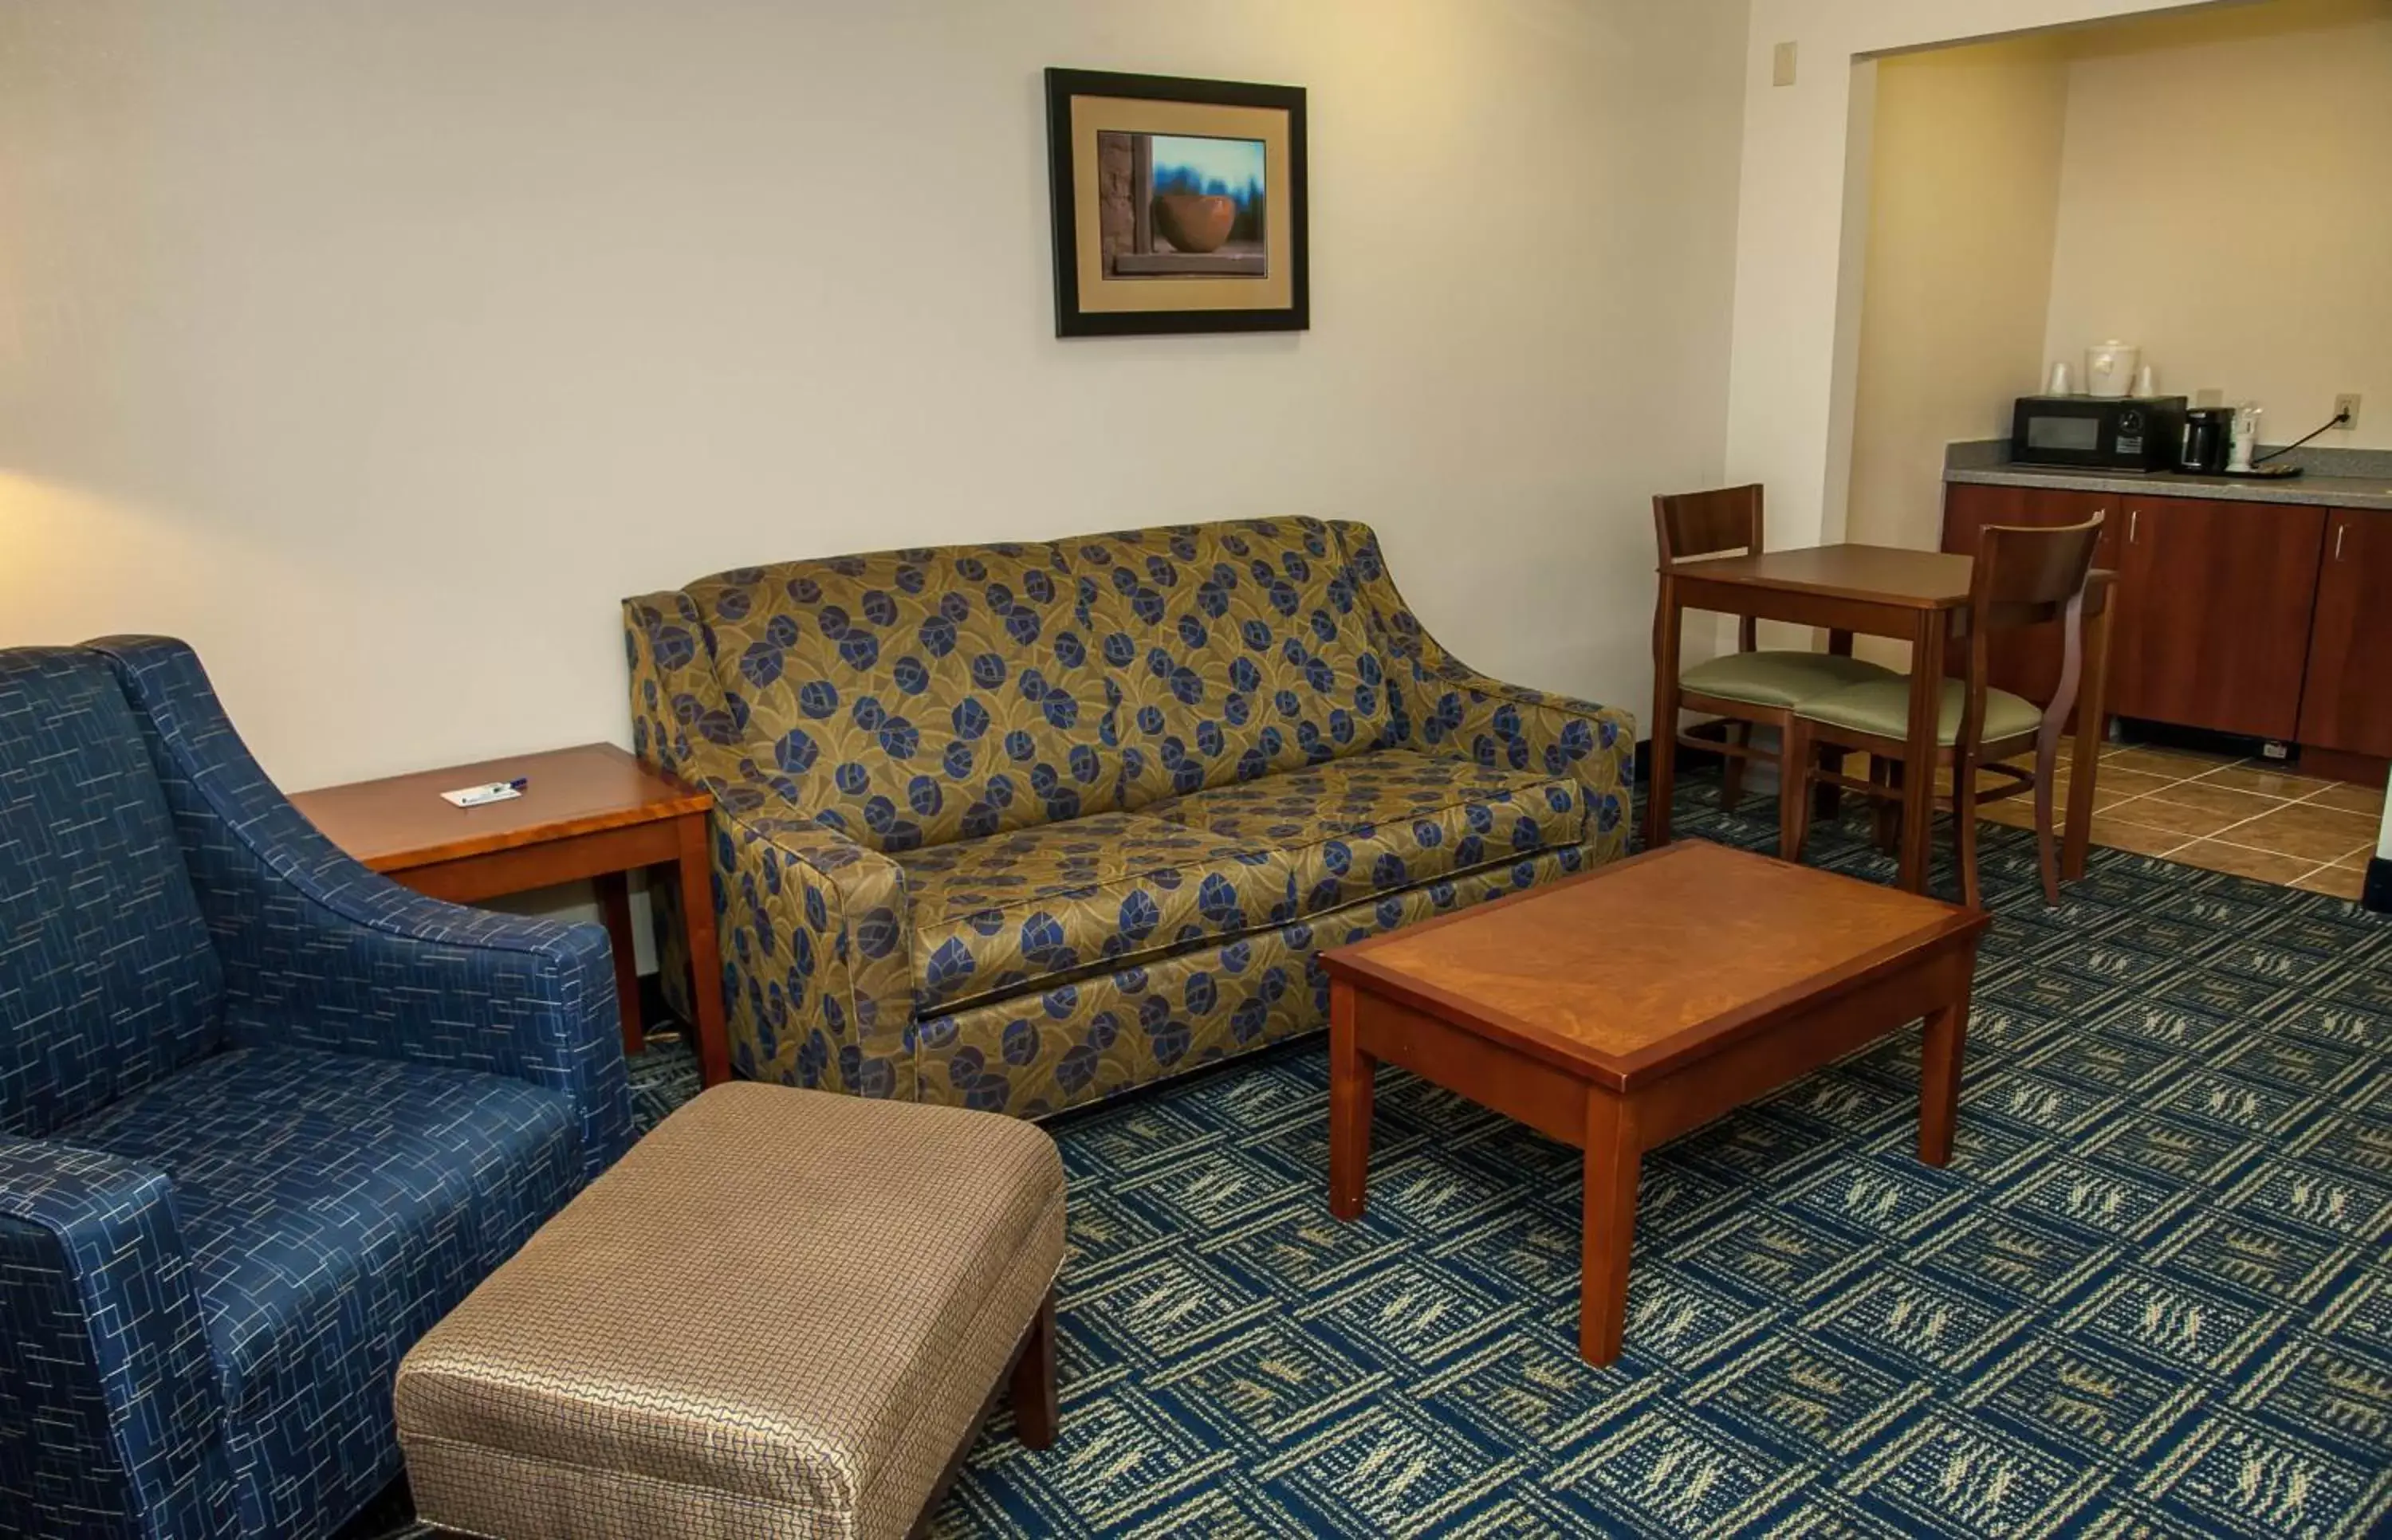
(591, 813)
(1617, 1009)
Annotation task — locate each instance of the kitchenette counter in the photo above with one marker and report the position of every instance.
(2329, 478)
(2309, 488)
(2243, 608)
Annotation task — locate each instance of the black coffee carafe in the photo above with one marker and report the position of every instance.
(2208, 438)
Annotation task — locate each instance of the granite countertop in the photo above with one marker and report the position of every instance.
(2344, 478)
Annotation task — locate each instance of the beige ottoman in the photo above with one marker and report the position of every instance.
(783, 1314)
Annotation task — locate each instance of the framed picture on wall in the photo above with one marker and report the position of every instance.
(1179, 205)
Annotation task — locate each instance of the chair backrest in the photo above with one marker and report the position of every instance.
(1703, 523)
(108, 979)
(2027, 576)
(1706, 523)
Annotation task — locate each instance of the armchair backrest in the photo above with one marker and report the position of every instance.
(913, 697)
(108, 978)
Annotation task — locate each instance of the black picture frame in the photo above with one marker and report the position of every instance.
(1062, 85)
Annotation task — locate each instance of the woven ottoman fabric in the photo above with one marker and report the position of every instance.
(850, 1278)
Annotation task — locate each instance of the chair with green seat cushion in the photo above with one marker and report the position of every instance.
(2021, 578)
(1882, 707)
(1784, 679)
(1749, 687)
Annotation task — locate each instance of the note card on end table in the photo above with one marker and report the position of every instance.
(496, 791)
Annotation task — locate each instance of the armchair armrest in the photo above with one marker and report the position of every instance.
(817, 942)
(1445, 706)
(109, 1409)
(319, 952)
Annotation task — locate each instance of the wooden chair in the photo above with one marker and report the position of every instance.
(1750, 687)
(2021, 578)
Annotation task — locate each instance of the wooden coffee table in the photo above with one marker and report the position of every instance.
(1618, 1009)
(592, 812)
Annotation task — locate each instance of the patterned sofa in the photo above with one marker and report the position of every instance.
(1021, 826)
(264, 1116)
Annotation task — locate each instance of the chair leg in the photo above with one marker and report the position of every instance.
(1793, 789)
(1731, 778)
(1964, 829)
(1885, 812)
(2047, 853)
(1827, 802)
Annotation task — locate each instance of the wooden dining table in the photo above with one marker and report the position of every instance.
(1868, 590)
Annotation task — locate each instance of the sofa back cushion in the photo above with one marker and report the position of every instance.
(108, 980)
(1239, 649)
(913, 697)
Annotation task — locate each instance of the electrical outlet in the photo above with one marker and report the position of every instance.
(1781, 64)
(2347, 408)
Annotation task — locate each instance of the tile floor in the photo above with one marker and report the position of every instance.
(2245, 816)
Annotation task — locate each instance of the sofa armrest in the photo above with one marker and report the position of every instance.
(321, 952)
(1444, 706)
(816, 941)
(111, 1416)
(817, 944)
(1509, 726)
(682, 722)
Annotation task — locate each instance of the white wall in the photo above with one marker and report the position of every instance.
(1964, 199)
(379, 348)
(2226, 200)
(1802, 227)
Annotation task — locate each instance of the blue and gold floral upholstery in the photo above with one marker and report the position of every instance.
(1021, 826)
(264, 1116)
(1382, 822)
(993, 917)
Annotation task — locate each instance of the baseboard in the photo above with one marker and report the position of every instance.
(2377, 894)
(2359, 770)
(2323, 763)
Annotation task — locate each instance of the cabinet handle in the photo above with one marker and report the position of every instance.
(2134, 517)
(2339, 531)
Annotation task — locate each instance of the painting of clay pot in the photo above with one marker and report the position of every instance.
(1194, 221)
(1179, 205)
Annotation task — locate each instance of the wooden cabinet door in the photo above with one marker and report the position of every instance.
(2215, 631)
(2026, 662)
(2347, 699)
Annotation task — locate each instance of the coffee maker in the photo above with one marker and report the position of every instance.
(2208, 438)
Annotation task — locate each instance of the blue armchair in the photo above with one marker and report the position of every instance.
(265, 1116)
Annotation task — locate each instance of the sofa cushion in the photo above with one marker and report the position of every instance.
(1383, 821)
(916, 696)
(108, 979)
(1000, 915)
(337, 1206)
(1238, 651)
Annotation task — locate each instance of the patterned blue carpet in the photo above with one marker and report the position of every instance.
(2152, 1295)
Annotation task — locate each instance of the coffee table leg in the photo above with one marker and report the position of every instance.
(1349, 1104)
(1939, 1082)
(1613, 1155)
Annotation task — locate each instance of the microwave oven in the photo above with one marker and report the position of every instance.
(2131, 432)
